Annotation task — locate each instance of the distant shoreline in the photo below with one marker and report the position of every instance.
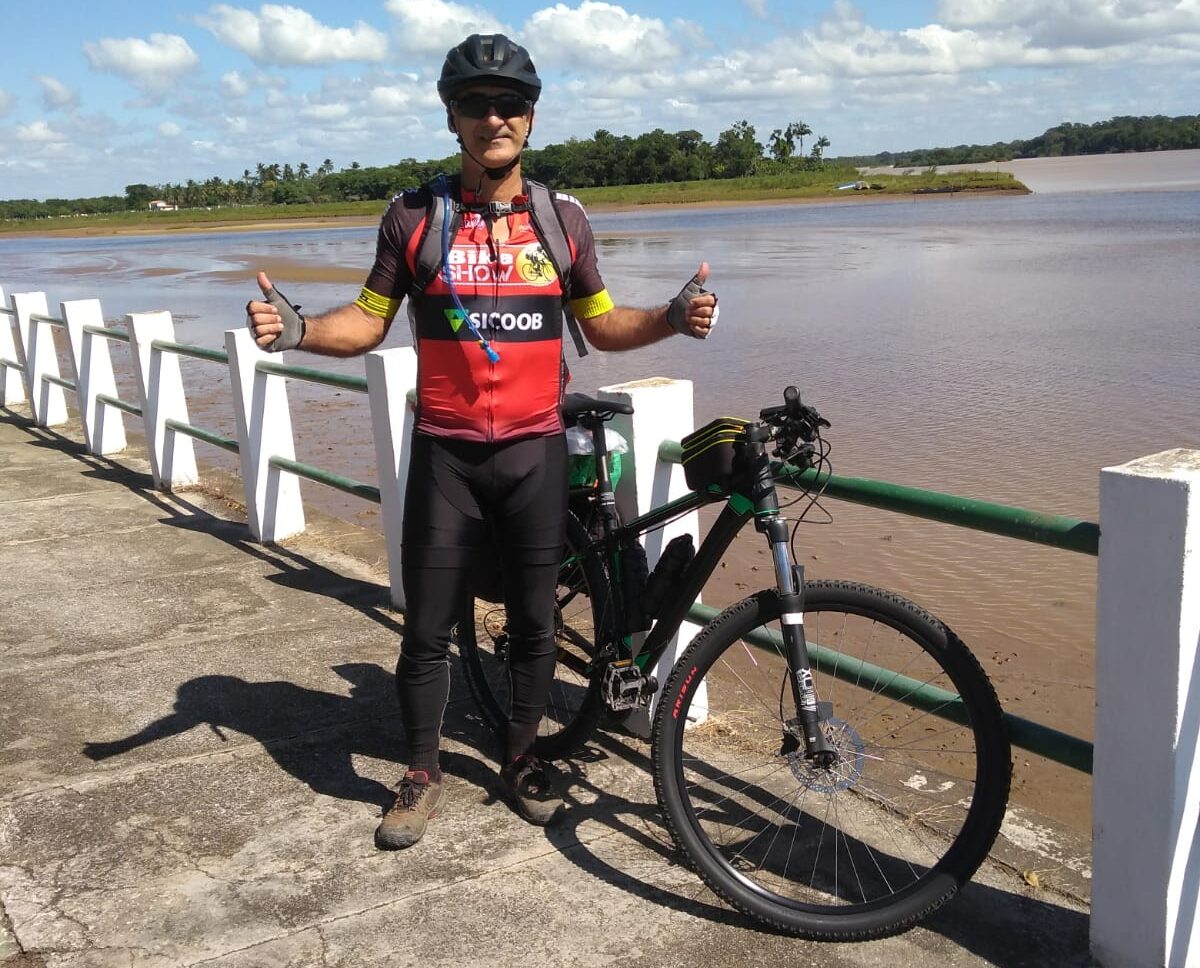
(309, 222)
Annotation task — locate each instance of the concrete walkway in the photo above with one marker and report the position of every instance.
(196, 739)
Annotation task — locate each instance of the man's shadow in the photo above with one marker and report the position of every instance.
(311, 734)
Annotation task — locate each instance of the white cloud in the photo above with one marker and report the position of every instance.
(38, 132)
(1071, 23)
(434, 26)
(153, 65)
(56, 95)
(169, 129)
(600, 35)
(395, 99)
(7, 102)
(284, 35)
(233, 85)
(325, 112)
(756, 7)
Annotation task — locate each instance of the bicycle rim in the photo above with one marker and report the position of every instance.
(573, 705)
(901, 821)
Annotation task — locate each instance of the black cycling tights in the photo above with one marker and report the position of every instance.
(459, 494)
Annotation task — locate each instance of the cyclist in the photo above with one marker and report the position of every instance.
(488, 452)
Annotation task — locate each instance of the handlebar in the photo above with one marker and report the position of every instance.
(794, 425)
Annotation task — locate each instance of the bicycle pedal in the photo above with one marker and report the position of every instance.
(626, 686)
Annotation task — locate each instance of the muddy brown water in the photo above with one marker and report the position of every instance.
(1002, 348)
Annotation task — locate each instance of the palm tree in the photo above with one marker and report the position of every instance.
(302, 170)
(818, 148)
(798, 129)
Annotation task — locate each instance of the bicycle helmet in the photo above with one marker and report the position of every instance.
(488, 59)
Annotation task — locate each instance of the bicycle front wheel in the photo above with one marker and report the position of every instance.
(574, 705)
(895, 826)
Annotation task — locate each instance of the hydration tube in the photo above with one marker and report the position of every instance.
(484, 345)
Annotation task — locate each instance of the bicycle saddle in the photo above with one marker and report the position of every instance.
(577, 404)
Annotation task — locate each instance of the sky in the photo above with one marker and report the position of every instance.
(99, 94)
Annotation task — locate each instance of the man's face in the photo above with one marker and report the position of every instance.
(478, 114)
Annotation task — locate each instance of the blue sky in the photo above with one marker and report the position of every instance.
(97, 95)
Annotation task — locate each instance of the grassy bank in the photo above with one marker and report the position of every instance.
(796, 186)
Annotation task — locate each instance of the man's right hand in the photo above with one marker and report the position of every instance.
(276, 324)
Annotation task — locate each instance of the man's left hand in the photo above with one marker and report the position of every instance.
(694, 311)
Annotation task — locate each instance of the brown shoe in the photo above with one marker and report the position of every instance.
(531, 785)
(417, 802)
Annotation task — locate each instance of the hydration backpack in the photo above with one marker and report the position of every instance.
(443, 216)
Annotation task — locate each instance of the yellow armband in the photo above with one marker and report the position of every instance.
(591, 306)
(376, 304)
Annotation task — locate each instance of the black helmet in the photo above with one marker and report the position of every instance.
(488, 59)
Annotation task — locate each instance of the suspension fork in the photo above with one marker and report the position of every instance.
(789, 582)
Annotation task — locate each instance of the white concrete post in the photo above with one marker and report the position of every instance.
(264, 426)
(160, 386)
(103, 427)
(662, 410)
(1146, 782)
(391, 374)
(47, 400)
(12, 358)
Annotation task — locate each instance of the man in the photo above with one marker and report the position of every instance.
(488, 450)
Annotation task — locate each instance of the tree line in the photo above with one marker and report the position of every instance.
(603, 159)
(1123, 134)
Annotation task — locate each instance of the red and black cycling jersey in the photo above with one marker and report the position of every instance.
(513, 296)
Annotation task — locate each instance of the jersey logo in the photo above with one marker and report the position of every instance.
(456, 318)
(534, 266)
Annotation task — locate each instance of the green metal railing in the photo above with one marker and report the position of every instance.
(199, 433)
(195, 352)
(346, 484)
(108, 333)
(110, 401)
(61, 381)
(1044, 740)
(191, 430)
(43, 318)
(130, 408)
(1069, 534)
(355, 384)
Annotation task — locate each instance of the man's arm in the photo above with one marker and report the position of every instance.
(625, 328)
(345, 331)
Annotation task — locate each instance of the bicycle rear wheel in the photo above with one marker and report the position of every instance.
(903, 818)
(575, 703)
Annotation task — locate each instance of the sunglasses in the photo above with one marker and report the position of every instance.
(506, 105)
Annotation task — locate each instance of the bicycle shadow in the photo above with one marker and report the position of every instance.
(1008, 930)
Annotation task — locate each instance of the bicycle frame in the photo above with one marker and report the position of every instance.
(753, 495)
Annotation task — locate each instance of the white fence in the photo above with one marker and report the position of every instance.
(1146, 799)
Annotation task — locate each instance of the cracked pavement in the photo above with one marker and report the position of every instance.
(197, 736)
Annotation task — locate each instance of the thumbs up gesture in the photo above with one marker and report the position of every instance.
(694, 311)
(276, 324)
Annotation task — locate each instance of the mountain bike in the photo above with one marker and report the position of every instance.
(828, 756)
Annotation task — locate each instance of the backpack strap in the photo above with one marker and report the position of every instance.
(443, 216)
(548, 227)
(430, 250)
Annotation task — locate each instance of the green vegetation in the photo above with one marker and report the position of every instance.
(604, 159)
(752, 188)
(1157, 133)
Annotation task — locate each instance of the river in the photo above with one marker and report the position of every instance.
(999, 347)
